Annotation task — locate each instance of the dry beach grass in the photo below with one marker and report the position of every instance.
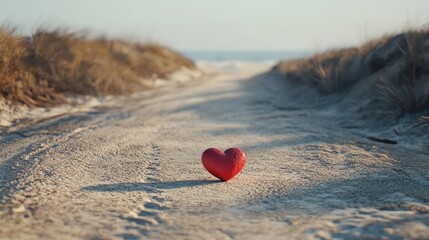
(398, 62)
(39, 70)
(411, 92)
(383, 83)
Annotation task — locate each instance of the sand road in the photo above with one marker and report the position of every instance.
(131, 169)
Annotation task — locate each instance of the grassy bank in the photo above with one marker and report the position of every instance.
(392, 70)
(42, 69)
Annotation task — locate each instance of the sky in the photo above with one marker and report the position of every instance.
(292, 25)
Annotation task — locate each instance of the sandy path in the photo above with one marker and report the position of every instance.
(134, 172)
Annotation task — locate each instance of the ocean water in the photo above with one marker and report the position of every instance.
(250, 56)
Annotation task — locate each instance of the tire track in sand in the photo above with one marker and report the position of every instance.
(150, 214)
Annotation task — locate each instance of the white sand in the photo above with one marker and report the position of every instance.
(132, 170)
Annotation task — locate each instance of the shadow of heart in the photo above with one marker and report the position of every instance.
(148, 187)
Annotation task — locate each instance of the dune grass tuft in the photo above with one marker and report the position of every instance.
(372, 44)
(328, 72)
(411, 92)
(39, 70)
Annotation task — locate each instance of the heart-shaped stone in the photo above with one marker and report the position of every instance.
(223, 165)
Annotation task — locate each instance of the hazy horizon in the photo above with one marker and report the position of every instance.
(239, 25)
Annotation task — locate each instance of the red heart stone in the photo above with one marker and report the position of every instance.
(223, 165)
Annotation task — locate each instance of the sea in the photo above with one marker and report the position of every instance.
(233, 60)
(246, 56)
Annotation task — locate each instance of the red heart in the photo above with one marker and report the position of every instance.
(223, 165)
